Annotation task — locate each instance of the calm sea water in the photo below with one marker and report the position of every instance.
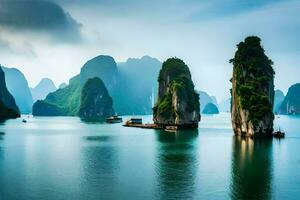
(64, 158)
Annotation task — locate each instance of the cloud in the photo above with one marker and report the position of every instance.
(39, 16)
(12, 45)
(169, 10)
(203, 33)
(213, 9)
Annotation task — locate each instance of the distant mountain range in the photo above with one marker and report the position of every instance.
(43, 88)
(62, 102)
(131, 84)
(291, 102)
(225, 105)
(137, 86)
(210, 108)
(17, 85)
(206, 99)
(278, 99)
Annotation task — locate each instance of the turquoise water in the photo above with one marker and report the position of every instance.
(64, 158)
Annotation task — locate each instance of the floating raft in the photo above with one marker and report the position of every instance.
(138, 123)
(147, 126)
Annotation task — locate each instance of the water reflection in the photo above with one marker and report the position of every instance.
(2, 135)
(91, 121)
(3, 188)
(98, 138)
(99, 167)
(176, 164)
(3, 121)
(251, 169)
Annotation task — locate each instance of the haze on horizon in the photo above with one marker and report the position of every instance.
(54, 38)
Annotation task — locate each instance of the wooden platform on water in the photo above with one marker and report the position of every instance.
(147, 126)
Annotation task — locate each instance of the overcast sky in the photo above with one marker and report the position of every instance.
(54, 38)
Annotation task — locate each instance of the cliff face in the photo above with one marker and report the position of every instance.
(17, 85)
(8, 107)
(291, 103)
(178, 103)
(96, 104)
(252, 90)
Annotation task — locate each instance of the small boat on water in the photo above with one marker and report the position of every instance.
(279, 134)
(171, 128)
(24, 121)
(114, 119)
(134, 121)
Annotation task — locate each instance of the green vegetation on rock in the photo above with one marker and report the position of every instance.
(62, 102)
(131, 93)
(177, 103)
(7, 113)
(43, 108)
(8, 107)
(253, 83)
(96, 104)
(253, 74)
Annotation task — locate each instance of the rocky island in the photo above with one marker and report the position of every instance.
(96, 103)
(178, 103)
(8, 107)
(291, 103)
(252, 90)
(210, 108)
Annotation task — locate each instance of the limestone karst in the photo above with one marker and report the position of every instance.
(178, 103)
(96, 103)
(252, 90)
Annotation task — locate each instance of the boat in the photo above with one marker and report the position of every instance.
(114, 119)
(24, 121)
(279, 134)
(171, 128)
(134, 121)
